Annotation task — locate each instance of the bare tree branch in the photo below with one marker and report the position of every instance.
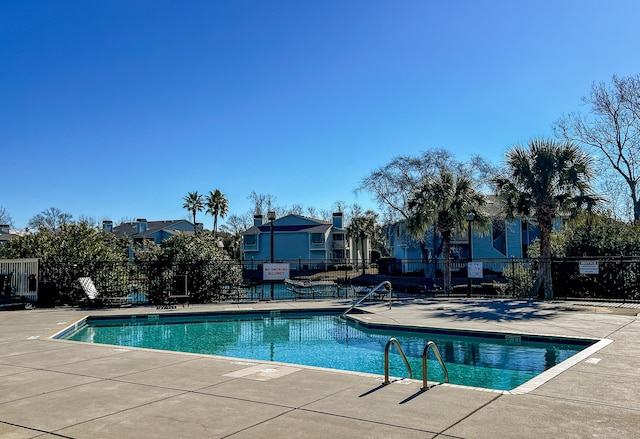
(611, 129)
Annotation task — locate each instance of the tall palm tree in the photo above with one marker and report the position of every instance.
(217, 205)
(193, 203)
(363, 227)
(544, 180)
(444, 203)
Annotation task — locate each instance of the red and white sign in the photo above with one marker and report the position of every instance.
(275, 271)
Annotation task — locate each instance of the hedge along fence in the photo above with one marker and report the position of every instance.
(603, 278)
(584, 278)
(597, 278)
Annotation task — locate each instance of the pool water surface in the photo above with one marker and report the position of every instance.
(323, 339)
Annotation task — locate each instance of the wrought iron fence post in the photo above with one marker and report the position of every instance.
(513, 276)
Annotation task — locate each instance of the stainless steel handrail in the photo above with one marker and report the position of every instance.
(376, 288)
(386, 359)
(432, 345)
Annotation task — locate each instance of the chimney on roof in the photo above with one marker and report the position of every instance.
(107, 226)
(257, 220)
(141, 225)
(337, 219)
(5, 228)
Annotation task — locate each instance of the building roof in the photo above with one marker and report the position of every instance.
(308, 225)
(6, 237)
(130, 230)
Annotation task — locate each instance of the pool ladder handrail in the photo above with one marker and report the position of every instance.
(431, 345)
(376, 288)
(425, 372)
(393, 341)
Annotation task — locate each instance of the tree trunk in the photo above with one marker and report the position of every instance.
(544, 280)
(427, 259)
(634, 199)
(362, 238)
(446, 269)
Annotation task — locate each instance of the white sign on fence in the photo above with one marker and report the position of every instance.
(474, 270)
(275, 271)
(589, 267)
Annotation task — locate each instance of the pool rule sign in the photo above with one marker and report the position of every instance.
(475, 270)
(275, 271)
(589, 267)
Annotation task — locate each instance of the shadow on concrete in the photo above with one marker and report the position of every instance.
(497, 310)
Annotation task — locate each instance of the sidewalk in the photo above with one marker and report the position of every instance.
(52, 388)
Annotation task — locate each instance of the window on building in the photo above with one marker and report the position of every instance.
(250, 240)
(317, 238)
(499, 236)
(338, 237)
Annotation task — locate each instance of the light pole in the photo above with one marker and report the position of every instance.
(271, 216)
(470, 217)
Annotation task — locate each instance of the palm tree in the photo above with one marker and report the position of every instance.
(217, 205)
(193, 203)
(543, 181)
(444, 203)
(361, 227)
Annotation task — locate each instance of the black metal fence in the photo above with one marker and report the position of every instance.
(605, 278)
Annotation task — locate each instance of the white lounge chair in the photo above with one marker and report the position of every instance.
(94, 298)
(311, 288)
(378, 294)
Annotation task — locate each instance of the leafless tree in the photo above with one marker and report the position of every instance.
(616, 203)
(258, 202)
(50, 220)
(325, 214)
(611, 129)
(296, 209)
(5, 218)
(236, 224)
(262, 203)
(91, 221)
(394, 184)
(312, 212)
(339, 206)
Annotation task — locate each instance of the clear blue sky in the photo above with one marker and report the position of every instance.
(115, 109)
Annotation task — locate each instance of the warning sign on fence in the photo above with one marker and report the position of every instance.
(589, 267)
(275, 271)
(474, 270)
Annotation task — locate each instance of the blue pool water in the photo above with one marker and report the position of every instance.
(494, 361)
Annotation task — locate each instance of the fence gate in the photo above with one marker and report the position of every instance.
(19, 277)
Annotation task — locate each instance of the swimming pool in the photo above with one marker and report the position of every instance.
(488, 360)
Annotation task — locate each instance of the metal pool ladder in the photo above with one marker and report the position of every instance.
(373, 291)
(393, 341)
(432, 345)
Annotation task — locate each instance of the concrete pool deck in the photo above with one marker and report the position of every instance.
(55, 388)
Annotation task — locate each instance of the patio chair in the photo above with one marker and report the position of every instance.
(94, 298)
(232, 293)
(428, 287)
(174, 298)
(378, 294)
(311, 288)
